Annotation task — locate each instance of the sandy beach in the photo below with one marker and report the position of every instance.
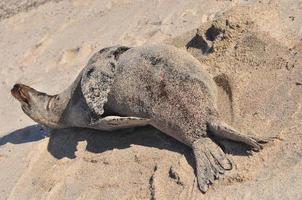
(252, 49)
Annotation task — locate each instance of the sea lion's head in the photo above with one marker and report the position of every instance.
(37, 105)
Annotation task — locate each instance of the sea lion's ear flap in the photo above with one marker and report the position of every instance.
(95, 85)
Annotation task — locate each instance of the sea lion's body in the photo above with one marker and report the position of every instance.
(152, 84)
(166, 85)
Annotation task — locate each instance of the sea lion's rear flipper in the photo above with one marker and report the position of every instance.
(111, 123)
(210, 162)
(223, 130)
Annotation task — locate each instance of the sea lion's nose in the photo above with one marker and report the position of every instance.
(20, 92)
(15, 88)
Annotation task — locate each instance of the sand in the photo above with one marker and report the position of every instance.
(252, 50)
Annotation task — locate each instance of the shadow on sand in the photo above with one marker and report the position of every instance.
(29, 134)
(63, 142)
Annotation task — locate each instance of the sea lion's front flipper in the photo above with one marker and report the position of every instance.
(210, 162)
(111, 123)
(98, 77)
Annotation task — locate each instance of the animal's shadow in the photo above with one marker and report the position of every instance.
(63, 142)
(25, 135)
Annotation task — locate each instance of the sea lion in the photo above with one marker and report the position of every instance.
(153, 84)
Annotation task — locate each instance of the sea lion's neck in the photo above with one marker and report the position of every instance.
(72, 106)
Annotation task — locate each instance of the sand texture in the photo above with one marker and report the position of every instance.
(252, 49)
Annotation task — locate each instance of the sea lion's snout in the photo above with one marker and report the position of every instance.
(35, 104)
(21, 92)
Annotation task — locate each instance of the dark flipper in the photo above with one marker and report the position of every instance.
(210, 162)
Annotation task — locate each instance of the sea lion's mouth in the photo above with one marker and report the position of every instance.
(20, 92)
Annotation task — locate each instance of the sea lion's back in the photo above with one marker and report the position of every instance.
(163, 83)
